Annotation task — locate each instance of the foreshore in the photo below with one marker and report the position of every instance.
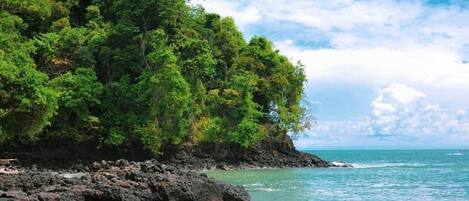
(176, 176)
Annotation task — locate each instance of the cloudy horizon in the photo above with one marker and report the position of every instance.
(381, 74)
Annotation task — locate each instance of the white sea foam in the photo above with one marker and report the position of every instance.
(383, 165)
(259, 187)
(455, 154)
(339, 163)
(266, 189)
(254, 184)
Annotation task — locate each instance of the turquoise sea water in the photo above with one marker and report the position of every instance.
(417, 175)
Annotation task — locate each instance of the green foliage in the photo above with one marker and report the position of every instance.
(151, 136)
(168, 98)
(78, 90)
(16, 49)
(165, 95)
(247, 112)
(26, 103)
(79, 93)
(195, 58)
(115, 137)
(247, 133)
(61, 51)
(207, 129)
(119, 110)
(33, 11)
(280, 87)
(157, 71)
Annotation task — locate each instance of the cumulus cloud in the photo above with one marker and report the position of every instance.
(402, 110)
(399, 113)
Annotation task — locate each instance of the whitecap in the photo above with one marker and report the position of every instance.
(455, 154)
(266, 189)
(383, 165)
(340, 164)
(253, 184)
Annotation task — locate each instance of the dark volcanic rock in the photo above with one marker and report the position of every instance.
(271, 153)
(70, 172)
(120, 180)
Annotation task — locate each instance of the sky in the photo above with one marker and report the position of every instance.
(381, 74)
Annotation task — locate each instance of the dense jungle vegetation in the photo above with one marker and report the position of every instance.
(153, 71)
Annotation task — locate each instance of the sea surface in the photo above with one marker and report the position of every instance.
(403, 175)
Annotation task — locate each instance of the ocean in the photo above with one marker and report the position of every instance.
(378, 175)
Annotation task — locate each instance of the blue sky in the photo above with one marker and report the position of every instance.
(381, 74)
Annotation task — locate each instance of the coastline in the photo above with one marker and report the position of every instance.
(270, 153)
(177, 176)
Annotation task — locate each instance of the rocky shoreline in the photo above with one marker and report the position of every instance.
(114, 180)
(176, 175)
(271, 153)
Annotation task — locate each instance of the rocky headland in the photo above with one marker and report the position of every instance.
(58, 174)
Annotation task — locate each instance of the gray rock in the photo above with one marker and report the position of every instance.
(118, 181)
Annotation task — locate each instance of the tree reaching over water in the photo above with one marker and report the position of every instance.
(155, 71)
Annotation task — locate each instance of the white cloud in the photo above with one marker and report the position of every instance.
(339, 14)
(399, 113)
(402, 110)
(350, 23)
(430, 65)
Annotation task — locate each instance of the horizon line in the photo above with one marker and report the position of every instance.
(382, 149)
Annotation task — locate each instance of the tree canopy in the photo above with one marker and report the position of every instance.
(155, 71)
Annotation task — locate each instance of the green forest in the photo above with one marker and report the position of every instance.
(156, 72)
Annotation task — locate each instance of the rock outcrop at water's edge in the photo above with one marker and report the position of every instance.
(119, 180)
(60, 173)
(271, 153)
